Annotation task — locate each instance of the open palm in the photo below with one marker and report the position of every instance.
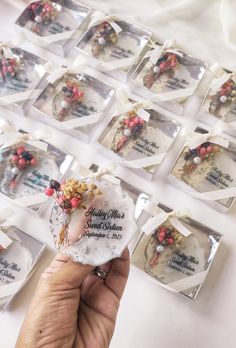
(73, 307)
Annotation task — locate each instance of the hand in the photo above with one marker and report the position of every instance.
(73, 307)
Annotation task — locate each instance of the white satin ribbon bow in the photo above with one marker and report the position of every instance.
(173, 217)
(106, 171)
(214, 135)
(158, 51)
(98, 18)
(124, 105)
(114, 64)
(153, 56)
(6, 46)
(78, 66)
(220, 80)
(10, 136)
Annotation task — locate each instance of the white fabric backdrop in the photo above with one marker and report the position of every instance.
(149, 316)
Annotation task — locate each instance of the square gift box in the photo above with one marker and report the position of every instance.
(26, 169)
(20, 86)
(17, 263)
(138, 144)
(175, 251)
(167, 76)
(207, 170)
(113, 45)
(57, 106)
(53, 24)
(220, 102)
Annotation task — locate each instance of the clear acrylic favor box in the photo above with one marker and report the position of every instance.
(220, 102)
(129, 138)
(181, 265)
(53, 26)
(171, 81)
(128, 47)
(19, 88)
(22, 182)
(211, 171)
(17, 262)
(81, 115)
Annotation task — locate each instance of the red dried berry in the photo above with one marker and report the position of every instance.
(49, 191)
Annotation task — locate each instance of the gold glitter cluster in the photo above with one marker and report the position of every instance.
(72, 188)
(113, 37)
(178, 238)
(132, 113)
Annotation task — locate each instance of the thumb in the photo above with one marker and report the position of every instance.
(65, 273)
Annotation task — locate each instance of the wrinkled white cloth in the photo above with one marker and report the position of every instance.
(203, 28)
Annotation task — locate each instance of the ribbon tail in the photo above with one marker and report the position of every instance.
(5, 241)
(215, 195)
(145, 115)
(155, 54)
(7, 52)
(179, 226)
(115, 26)
(39, 144)
(196, 140)
(32, 200)
(19, 39)
(56, 75)
(10, 139)
(80, 122)
(186, 283)
(144, 162)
